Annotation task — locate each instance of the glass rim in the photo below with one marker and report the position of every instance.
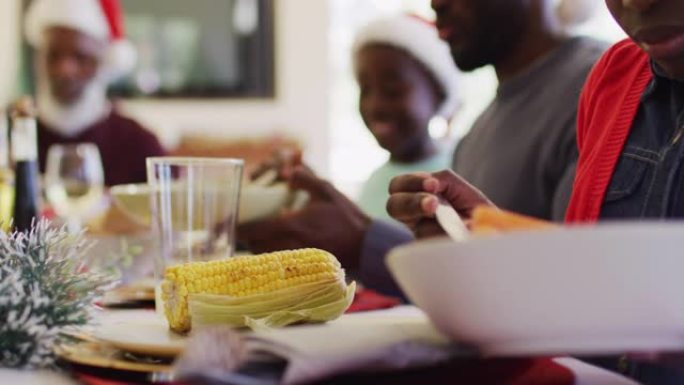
(182, 161)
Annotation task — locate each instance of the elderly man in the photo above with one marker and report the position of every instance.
(79, 50)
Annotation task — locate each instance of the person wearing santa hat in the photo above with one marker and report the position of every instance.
(80, 49)
(407, 81)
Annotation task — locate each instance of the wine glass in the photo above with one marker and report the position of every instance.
(74, 181)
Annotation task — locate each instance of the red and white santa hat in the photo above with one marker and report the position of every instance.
(100, 19)
(420, 39)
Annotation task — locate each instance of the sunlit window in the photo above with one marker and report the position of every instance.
(350, 138)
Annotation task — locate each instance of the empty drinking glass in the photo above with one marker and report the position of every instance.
(194, 207)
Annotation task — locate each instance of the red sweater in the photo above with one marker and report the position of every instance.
(607, 108)
(123, 143)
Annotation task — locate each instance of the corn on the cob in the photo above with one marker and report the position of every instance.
(259, 281)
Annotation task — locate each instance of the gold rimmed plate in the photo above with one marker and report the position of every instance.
(133, 296)
(97, 355)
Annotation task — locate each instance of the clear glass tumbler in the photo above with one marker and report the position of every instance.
(194, 205)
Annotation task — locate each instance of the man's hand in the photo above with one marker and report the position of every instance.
(329, 221)
(414, 199)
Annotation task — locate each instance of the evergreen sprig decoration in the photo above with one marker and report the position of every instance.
(47, 283)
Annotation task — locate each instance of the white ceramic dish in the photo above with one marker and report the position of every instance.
(259, 202)
(256, 202)
(606, 289)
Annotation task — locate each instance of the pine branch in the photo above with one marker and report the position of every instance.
(46, 284)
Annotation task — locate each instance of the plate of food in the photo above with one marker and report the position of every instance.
(601, 289)
(258, 292)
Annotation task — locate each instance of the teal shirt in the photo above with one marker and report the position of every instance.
(374, 193)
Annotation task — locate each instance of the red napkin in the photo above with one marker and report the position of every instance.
(366, 300)
(541, 371)
(476, 371)
(92, 380)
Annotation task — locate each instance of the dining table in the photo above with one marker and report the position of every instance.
(458, 369)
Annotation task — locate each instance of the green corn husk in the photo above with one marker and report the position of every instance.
(314, 302)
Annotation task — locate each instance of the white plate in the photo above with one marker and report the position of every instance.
(144, 332)
(147, 337)
(605, 289)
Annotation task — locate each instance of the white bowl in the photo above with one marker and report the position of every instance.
(605, 289)
(256, 202)
(259, 202)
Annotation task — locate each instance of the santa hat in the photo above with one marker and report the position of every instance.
(100, 19)
(420, 39)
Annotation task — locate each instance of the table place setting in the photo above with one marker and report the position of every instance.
(140, 343)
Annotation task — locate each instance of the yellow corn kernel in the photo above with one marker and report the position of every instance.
(242, 276)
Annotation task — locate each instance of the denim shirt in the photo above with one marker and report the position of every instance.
(648, 181)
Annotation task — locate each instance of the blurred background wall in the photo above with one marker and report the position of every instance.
(299, 109)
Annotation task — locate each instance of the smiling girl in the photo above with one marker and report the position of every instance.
(406, 78)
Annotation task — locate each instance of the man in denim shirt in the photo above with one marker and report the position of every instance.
(630, 139)
(648, 183)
